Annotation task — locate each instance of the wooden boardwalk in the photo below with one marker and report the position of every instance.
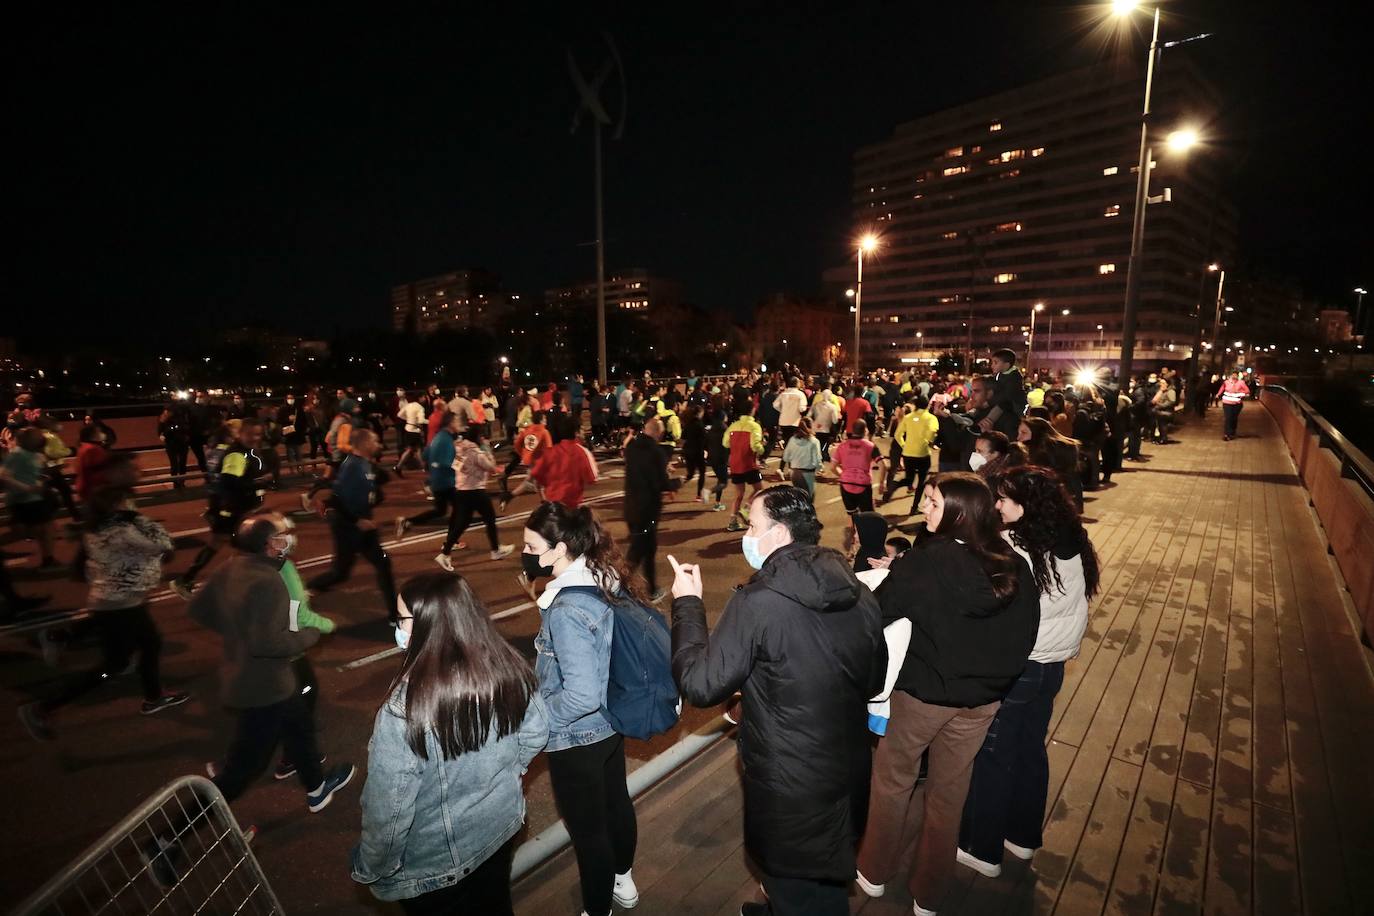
(1212, 748)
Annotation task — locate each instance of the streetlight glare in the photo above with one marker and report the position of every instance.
(1039, 306)
(1123, 7)
(1361, 290)
(1065, 312)
(1182, 139)
(868, 242)
(849, 293)
(1214, 267)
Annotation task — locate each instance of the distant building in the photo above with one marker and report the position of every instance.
(637, 306)
(1023, 197)
(628, 292)
(462, 300)
(1336, 326)
(804, 332)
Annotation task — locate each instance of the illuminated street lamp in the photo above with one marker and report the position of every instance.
(1101, 338)
(1359, 307)
(1049, 341)
(1030, 338)
(867, 244)
(1178, 140)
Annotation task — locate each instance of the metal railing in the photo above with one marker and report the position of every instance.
(1355, 464)
(180, 852)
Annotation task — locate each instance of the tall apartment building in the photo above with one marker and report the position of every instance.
(1026, 197)
(628, 292)
(635, 304)
(461, 300)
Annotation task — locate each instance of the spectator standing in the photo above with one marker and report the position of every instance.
(1233, 394)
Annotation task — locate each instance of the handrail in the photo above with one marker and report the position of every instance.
(1355, 464)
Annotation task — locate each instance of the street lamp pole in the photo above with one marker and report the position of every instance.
(1030, 341)
(1359, 307)
(1216, 319)
(1142, 193)
(867, 243)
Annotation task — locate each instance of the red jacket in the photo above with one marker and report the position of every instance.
(564, 472)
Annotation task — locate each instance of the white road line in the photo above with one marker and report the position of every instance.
(188, 532)
(397, 650)
(512, 611)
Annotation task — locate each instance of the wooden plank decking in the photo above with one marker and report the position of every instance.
(1212, 747)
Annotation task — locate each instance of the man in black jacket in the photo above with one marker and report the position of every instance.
(803, 640)
(646, 480)
(1007, 400)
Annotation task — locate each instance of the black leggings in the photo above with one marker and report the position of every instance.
(443, 504)
(589, 790)
(121, 632)
(643, 549)
(349, 542)
(696, 466)
(466, 503)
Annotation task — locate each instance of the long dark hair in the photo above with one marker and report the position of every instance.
(1049, 520)
(586, 537)
(461, 678)
(970, 515)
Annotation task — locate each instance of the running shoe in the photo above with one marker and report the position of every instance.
(339, 777)
(402, 523)
(502, 552)
(166, 701)
(445, 563)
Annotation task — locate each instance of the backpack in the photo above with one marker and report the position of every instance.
(641, 697)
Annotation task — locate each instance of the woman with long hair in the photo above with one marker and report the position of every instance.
(801, 455)
(1006, 800)
(586, 755)
(461, 723)
(1051, 449)
(973, 608)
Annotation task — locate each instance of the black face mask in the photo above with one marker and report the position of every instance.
(530, 563)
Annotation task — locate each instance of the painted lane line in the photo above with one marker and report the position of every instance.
(397, 650)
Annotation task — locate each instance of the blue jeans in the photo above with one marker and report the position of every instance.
(1011, 774)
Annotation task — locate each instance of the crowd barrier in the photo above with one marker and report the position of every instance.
(207, 868)
(1339, 477)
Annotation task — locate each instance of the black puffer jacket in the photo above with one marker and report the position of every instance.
(803, 641)
(967, 646)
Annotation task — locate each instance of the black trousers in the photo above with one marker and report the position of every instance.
(1011, 774)
(197, 447)
(644, 549)
(696, 465)
(121, 632)
(915, 471)
(443, 505)
(1230, 415)
(176, 461)
(510, 469)
(349, 542)
(806, 897)
(486, 890)
(467, 503)
(825, 439)
(59, 483)
(589, 790)
(259, 731)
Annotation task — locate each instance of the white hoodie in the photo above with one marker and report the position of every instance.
(1063, 613)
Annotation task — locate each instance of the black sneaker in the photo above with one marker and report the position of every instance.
(166, 701)
(335, 780)
(286, 769)
(754, 909)
(31, 715)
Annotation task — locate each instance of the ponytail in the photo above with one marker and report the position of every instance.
(587, 538)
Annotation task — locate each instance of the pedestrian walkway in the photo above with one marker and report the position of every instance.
(1211, 748)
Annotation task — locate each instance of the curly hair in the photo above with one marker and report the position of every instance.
(586, 537)
(1049, 519)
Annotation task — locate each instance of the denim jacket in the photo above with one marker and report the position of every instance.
(574, 659)
(429, 823)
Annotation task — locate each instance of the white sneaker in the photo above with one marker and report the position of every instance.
(624, 892)
(868, 887)
(402, 523)
(986, 869)
(1021, 852)
(444, 562)
(502, 552)
(919, 910)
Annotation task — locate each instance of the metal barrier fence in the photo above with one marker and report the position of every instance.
(180, 852)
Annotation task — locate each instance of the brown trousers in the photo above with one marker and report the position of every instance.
(900, 813)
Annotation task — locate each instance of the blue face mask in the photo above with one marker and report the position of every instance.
(752, 555)
(402, 638)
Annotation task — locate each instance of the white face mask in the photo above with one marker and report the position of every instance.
(976, 461)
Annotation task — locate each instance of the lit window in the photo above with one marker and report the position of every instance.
(1109, 170)
(1038, 151)
(994, 127)
(949, 235)
(954, 151)
(1008, 227)
(1009, 155)
(1010, 173)
(1003, 278)
(956, 170)
(975, 150)
(1106, 268)
(1113, 210)
(893, 318)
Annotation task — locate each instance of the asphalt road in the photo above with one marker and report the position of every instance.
(63, 795)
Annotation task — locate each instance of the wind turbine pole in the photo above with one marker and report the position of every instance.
(600, 266)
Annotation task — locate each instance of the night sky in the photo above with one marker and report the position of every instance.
(248, 164)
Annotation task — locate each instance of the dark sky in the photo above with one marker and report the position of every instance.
(186, 167)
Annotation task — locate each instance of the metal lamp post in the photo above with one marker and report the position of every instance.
(867, 243)
(1030, 341)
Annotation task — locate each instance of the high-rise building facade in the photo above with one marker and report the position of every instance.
(1024, 198)
(462, 300)
(636, 301)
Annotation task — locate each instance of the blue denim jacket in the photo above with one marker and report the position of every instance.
(574, 659)
(428, 823)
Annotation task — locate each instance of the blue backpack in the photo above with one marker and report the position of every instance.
(641, 697)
